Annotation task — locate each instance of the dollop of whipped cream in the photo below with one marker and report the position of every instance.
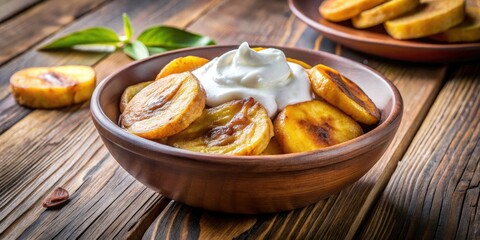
(264, 75)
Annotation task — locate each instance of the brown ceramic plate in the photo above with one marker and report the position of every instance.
(245, 184)
(377, 42)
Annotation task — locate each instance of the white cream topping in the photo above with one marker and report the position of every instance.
(265, 75)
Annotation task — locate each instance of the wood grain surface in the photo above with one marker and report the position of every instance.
(340, 215)
(50, 148)
(425, 186)
(21, 33)
(12, 7)
(435, 191)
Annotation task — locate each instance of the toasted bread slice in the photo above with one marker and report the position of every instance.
(468, 30)
(341, 10)
(431, 17)
(383, 13)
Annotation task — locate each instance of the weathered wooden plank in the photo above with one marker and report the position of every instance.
(33, 25)
(54, 148)
(334, 217)
(11, 7)
(257, 22)
(435, 191)
(109, 16)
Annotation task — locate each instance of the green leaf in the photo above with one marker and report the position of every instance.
(95, 35)
(127, 27)
(136, 50)
(172, 38)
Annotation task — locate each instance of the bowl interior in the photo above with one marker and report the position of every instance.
(106, 98)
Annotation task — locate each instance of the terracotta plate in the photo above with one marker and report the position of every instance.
(377, 42)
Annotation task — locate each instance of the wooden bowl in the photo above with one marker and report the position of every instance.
(245, 184)
(376, 41)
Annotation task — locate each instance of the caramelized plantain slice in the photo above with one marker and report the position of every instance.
(344, 94)
(468, 30)
(341, 10)
(182, 64)
(273, 148)
(165, 107)
(239, 127)
(312, 125)
(430, 17)
(383, 12)
(52, 87)
(130, 92)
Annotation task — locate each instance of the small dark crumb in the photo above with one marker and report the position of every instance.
(57, 198)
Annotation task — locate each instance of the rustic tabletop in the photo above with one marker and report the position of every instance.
(426, 185)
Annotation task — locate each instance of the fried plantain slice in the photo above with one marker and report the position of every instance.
(312, 125)
(130, 92)
(430, 17)
(240, 127)
(383, 12)
(182, 64)
(344, 94)
(165, 107)
(341, 10)
(273, 148)
(468, 30)
(52, 87)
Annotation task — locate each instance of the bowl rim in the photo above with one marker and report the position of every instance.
(281, 162)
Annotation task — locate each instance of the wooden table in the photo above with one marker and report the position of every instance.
(426, 185)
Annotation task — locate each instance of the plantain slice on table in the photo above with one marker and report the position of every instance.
(52, 87)
(430, 17)
(130, 92)
(341, 10)
(383, 12)
(165, 107)
(240, 127)
(312, 125)
(468, 30)
(182, 64)
(344, 94)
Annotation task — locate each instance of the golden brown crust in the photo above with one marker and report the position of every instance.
(182, 64)
(239, 127)
(52, 87)
(165, 107)
(344, 94)
(313, 125)
(383, 12)
(341, 10)
(468, 30)
(430, 17)
(130, 92)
